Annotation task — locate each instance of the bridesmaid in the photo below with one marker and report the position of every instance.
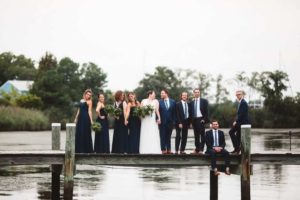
(83, 120)
(120, 138)
(102, 137)
(134, 124)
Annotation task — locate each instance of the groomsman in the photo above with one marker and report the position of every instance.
(167, 111)
(242, 118)
(215, 142)
(182, 123)
(198, 110)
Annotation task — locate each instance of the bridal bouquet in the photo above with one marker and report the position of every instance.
(143, 111)
(96, 126)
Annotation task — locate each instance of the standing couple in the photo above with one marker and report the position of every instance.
(156, 129)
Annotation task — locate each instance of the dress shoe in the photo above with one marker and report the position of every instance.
(169, 152)
(176, 152)
(227, 171)
(182, 152)
(163, 152)
(216, 172)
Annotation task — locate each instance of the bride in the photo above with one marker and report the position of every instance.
(149, 138)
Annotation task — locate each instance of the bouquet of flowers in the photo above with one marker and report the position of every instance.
(148, 109)
(111, 110)
(117, 112)
(96, 126)
(143, 111)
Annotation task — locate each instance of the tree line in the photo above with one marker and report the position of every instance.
(58, 86)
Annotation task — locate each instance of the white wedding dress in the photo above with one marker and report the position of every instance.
(150, 139)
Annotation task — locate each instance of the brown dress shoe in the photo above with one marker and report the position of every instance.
(163, 152)
(169, 152)
(216, 172)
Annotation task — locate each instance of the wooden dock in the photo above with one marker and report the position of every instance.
(240, 164)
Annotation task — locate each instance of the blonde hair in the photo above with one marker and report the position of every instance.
(87, 91)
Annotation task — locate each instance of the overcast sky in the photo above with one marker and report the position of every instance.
(136, 36)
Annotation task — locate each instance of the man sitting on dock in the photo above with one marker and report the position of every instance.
(215, 141)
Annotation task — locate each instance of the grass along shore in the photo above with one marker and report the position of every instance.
(20, 119)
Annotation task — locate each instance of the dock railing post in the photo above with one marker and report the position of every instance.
(69, 161)
(213, 185)
(245, 161)
(55, 169)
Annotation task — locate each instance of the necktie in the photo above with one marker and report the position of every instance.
(195, 107)
(185, 111)
(216, 138)
(166, 103)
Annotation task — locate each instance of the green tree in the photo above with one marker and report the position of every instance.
(16, 67)
(162, 78)
(221, 91)
(93, 77)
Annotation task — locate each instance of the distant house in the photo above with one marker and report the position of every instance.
(22, 87)
(256, 104)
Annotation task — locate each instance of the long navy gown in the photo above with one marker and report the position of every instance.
(83, 137)
(102, 137)
(120, 137)
(134, 125)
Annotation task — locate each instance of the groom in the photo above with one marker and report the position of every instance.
(167, 109)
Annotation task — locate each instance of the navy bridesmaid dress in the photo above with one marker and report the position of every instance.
(134, 125)
(120, 138)
(102, 137)
(83, 137)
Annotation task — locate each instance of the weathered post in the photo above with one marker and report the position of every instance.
(213, 186)
(69, 161)
(245, 161)
(55, 169)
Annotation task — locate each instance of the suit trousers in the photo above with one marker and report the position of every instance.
(199, 134)
(235, 135)
(165, 132)
(213, 155)
(181, 136)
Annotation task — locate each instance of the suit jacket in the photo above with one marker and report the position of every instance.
(242, 113)
(167, 115)
(180, 117)
(209, 139)
(203, 109)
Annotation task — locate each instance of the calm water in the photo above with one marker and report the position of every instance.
(135, 183)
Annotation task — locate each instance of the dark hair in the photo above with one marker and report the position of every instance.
(166, 91)
(118, 95)
(150, 92)
(182, 93)
(196, 89)
(214, 120)
(100, 94)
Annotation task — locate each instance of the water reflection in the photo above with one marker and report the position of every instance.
(107, 182)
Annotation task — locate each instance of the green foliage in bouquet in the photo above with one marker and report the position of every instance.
(96, 126)
(143, 111)
(111, 110)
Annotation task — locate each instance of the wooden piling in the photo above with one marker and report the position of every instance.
(245, 161)
(213, 186)
(55, 169)
(69, 161)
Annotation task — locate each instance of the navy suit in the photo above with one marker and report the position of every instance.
(181, 133)
(242, 118)
(199, 122)
(209, 138)
(167, 121)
